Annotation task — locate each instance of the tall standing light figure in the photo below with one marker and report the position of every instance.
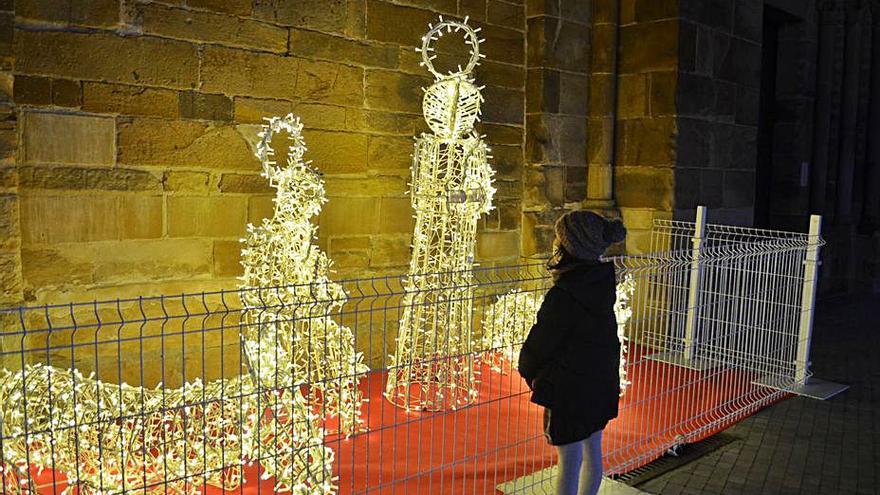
(433, 365)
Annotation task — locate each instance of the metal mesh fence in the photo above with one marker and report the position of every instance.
(237, 391)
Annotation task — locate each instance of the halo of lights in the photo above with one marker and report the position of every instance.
(433, 367)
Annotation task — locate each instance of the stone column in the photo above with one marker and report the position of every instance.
(557, 87)
(602, 121)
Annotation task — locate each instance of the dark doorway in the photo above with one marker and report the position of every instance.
(766, 117)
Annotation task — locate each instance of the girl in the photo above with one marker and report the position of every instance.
(571, 356)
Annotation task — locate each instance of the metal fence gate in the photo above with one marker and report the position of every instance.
(195, 393)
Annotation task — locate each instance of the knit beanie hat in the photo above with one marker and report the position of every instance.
(586, 235)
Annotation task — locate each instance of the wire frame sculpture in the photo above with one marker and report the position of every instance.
(433, 364)
(507, 322)
(288, 296)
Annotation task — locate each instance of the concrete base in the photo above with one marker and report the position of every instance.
(543, 483)
(815, 388)
(678, 358)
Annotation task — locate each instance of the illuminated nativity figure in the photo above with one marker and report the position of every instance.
(291, 337)
(433, 365)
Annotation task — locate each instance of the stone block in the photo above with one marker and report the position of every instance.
(571, 136)
(655, 10)
(687, 188)
(549, 45)
(106, 179)
(540, 143)
(601, 95)
(184, 181)
(260, 207)
(693, 143)
(506, 14)
(748, 19)
(409, 24)
(389, 250)
(660, 54)
(602, 48)
(380, 122)
(337, 152)
(574, 94)
(98, 13)
(312, 44)
(116, 262)
(396, 216)
(353, 243)
(66, 93)
(711, 188)
(644, 187)
(132, 60)
(493, 73)
(637, 218)
(207, 216)
(334, 16)
(141, 217)
(503, 105)
(66, 138)
(393, 91)
(10, 279)
(195, 105)
(647, 142)
(664, 86)
(227, 259)
(349, 216)
(474, 9)
(742, 63)
(9, 219)
(245, 183)
(32, 90)
(748, 104)
(542, 91)
(739, 188)
(210, 27)
(313, 115)
(509, 215)
(366, 187)
(129, 100)
(502, 134)
(68, 218)
(183, 143)
(236, 7)
(503, 44)
(390, 153)
(498, 245)
(697, 95)
(717, 14)
(632, 96)
(507, 161)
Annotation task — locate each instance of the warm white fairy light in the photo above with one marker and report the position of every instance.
(289, 300)
(432, 368)
(507, 322)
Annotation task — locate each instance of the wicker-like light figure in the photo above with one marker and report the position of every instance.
(433, 368)
(508, 320)
(111, 438)
(289, 300)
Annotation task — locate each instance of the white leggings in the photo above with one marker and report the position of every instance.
(580, 466)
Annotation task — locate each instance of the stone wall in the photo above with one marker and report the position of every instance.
(136, 121)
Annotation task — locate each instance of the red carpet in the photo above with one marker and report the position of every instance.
(498, 438)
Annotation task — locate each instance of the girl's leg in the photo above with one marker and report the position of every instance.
(591, 471)
(570, 457)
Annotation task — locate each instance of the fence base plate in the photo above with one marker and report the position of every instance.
(815, 388)
(678, 358)
(542, 482)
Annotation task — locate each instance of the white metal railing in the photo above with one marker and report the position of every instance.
(166, 399)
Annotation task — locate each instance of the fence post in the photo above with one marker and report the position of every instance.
(694, 289)
(808, 300)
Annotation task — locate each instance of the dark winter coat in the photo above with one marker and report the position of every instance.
(571, 356)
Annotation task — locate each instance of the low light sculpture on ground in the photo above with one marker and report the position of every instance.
(289, 300)
(508, 320)
(433, 365)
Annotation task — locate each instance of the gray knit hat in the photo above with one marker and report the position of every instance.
(586, 235)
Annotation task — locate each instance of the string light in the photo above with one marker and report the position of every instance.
(432, 368)
(507, 322)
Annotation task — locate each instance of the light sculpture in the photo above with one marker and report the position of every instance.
(433, 367)
(507, 322)
(288, 297)
(116, 438)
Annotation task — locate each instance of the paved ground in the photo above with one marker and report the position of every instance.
(805, 446)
